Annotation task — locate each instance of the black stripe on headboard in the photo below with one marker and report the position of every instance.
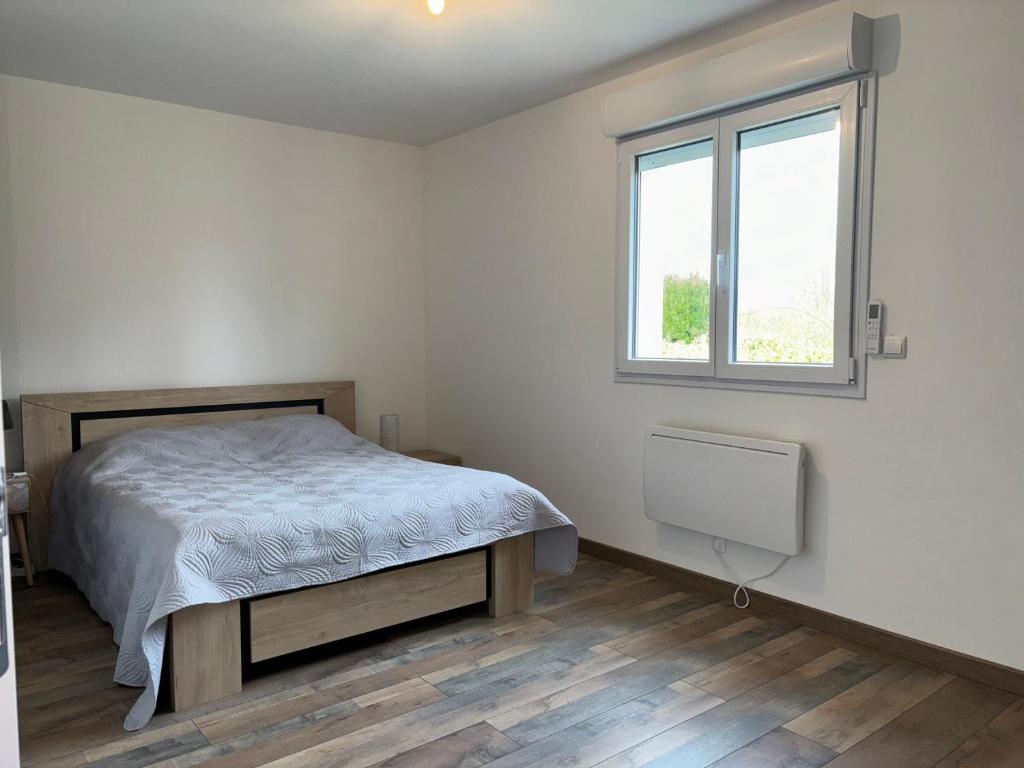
(78, 418)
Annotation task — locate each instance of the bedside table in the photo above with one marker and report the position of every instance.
(437, 457)
(18, 490)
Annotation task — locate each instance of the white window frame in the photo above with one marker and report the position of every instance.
(855, 100)
(678, 137)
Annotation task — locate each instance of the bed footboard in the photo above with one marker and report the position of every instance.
(289, 622)
(511, 575)
(204, 654)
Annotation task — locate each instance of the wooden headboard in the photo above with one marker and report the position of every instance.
(55, 426)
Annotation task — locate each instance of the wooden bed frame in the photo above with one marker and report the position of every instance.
(207, 644)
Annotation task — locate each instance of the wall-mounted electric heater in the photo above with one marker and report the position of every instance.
(737, 488)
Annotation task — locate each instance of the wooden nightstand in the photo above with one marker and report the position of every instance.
(18, 491)
(438, 457)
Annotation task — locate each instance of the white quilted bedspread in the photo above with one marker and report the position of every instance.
(155, 520)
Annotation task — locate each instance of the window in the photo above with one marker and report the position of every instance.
(673, 271)
(739, 264)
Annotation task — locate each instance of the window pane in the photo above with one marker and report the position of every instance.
(786, 246)
(673, 218)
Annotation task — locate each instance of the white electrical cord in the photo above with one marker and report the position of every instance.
(742, 584)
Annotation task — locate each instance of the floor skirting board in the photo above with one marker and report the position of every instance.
(971, 667)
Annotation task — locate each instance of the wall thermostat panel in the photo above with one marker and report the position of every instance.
(874, 328)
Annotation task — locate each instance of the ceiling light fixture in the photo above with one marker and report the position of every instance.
(436, 7)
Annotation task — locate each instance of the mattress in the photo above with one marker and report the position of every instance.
(155, 520)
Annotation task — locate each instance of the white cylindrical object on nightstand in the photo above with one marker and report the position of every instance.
(389, 431)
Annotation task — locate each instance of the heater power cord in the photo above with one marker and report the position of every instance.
(741, 588)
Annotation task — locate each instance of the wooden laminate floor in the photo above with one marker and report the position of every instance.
(611, 668)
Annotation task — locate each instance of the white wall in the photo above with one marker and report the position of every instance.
(158, 245)
(915, 494)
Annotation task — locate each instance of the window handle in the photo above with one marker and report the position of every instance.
(720, 267)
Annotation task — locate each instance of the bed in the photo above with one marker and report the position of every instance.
(219, 526)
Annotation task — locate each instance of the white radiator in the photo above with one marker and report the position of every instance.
(737, 488)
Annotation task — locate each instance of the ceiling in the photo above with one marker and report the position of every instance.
(386, 69)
